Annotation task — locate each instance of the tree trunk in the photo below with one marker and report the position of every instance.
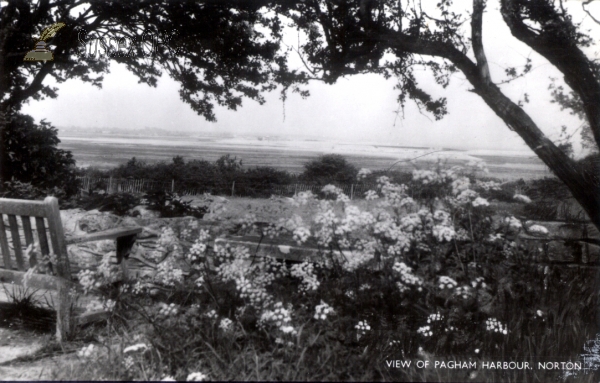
(3, 123)
(584, 186)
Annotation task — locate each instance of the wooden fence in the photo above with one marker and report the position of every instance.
(141, 186)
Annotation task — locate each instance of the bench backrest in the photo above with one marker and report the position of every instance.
(46, 215)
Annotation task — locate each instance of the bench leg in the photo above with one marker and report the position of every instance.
(124, 245)
(64, 315)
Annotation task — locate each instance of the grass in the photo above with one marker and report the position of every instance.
(25, 311)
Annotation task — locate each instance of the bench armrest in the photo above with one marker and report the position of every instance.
(107, 234)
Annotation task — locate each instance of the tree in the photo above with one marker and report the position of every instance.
(329, 168)
(31, 155)
(393, 37)
(214, 49)
(227, 50)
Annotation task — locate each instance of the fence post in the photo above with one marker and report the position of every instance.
(351, 191)
(109, 185)
(232, 188)
(172, 185)
(295, 189)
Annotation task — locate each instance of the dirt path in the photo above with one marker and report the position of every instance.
(16, 344)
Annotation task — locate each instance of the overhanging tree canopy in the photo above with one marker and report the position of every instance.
(394, 37)
(214, 49)
(228, 50)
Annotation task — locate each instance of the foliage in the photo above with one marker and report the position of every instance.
(171, 205)
(437, 275)
(117, 203)
(571, 101)
(26, 310)
(21, 190)
(395, 39)
(231, 58)
(31, 156)
(547, 196)
(215, 50)
(260, 181)
(214, 177)
(329, 168)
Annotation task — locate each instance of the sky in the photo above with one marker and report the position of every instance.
(355, 109)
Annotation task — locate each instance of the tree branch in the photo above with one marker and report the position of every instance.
(583, 4)
(557, 42)
(476, 37)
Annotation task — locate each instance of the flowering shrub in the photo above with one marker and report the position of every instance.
(422, 268)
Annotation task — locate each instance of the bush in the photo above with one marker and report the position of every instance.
(200, 175)
(31, 156)
(170, 205)
(260, 181)
(117, 203)
(330, 168)
(25, 190)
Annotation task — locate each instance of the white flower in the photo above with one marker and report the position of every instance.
(196, 377)
(322, 310)
(407, 278)
(494, 237)
(135, 347)
(363, 327)
(538, 229)
(168, 310)
(447, 283)
(305, 271)
(279, 317)
(460, 185)
(488, 185)
(225, 324)
(354, 259)
(301, 235)
(425, 331)
(540, 313)
(434, 318)
(167, 274)
(363, 173)
(522, 198)
(211, 314)
(513, 223)
(331, 189)
(168, 378)
(86, 352)
(493, 324)
(371, 195)
(480, 202)
(478, 282)
(463, 292)
(302, 198)
(443, 233)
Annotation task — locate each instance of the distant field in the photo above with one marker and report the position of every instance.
(111, 152)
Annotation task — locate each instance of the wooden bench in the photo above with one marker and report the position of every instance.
(46, 216)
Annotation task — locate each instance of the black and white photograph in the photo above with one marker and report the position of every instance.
(300, 190)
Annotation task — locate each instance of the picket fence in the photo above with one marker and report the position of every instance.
(141, 186)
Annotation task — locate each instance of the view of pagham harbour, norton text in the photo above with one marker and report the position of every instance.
(474, 365)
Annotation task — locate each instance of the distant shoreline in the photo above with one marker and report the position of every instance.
(107, 151)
